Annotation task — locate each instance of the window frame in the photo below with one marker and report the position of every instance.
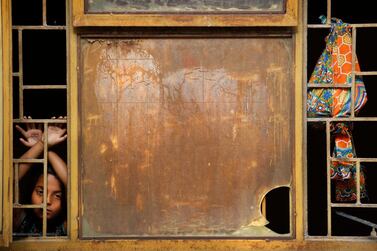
(82, 19)
(73, 242)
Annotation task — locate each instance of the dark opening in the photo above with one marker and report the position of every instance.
(370, 170)
(342, 226)
(55, 11)
(44, 57)
(16, 99)
(277, 210)
(315, 9)
(364, 133)
(44, 104)
(15, 50)
(317, 184)
(27, 12)
(353, 12)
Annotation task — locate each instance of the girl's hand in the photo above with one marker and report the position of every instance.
(32, 135)
(55, 133)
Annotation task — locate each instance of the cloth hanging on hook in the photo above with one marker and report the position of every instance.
(335, 67)
(344, 172)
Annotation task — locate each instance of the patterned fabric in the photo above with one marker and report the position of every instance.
(335, 67)
(344, 172)
(31, 225)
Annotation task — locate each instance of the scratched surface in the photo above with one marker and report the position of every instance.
(258, 6)
(183, 136)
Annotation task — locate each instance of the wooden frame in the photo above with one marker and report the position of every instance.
(80, 18)
(73, 242)
(1, 121)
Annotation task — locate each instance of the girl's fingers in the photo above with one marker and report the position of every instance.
(21, 130)
(25, 142)
(63, 138)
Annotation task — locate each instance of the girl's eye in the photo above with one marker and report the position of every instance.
(58, 196)
(40, 192)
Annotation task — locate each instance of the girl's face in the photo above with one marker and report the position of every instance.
(54, 197)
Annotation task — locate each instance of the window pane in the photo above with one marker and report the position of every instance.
(257, 6)
(183, 137)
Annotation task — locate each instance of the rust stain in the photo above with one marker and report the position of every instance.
(113, 186)
(139, 202)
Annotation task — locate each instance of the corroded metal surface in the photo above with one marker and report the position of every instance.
(258, 6)
(183, 136)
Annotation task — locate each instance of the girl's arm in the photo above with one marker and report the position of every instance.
(33, 138)
(59, 166)
(34, 152)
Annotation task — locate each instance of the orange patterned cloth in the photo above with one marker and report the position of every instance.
(335, 67)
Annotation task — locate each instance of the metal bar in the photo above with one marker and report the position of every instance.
(42, 87)
(69, 63)
(40, 27)
(353, 71)
(39, 121)
(319, 26)
(26, 206)
(355, 159)
(328, 15)
(21, 76)
(365, 239)
(357, 219)
(37, 237)
(44, 13)
(366, 73)
(17, 161)
(358, 182)
(16, 184)
(359, 205)
(328, 156)
(329, 86)
(367, 25)
(44, 230)
(366, 119)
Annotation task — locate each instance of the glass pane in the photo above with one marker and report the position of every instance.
(252, 6)
(183, 137)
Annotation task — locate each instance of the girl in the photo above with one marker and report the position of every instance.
(31, 222)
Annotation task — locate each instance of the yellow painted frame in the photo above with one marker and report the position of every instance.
(6, 121)
(1, 122)
(73, 242)
(290, 18)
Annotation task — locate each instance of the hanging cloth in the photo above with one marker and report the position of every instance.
(343, 173)
(335, 67)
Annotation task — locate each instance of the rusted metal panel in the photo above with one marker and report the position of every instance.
(183, 137)
(124, 6)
